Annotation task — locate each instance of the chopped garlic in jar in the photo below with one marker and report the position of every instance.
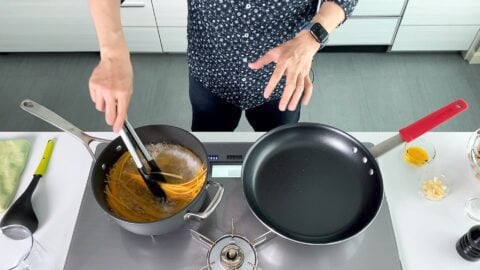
(434, 189)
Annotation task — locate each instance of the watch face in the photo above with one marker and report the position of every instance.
(319, 32)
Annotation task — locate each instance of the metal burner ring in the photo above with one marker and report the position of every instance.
(232, 257)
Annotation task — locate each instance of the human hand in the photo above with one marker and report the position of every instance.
(111, 87)
(293, 59)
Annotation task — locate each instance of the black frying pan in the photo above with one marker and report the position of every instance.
(316, 184)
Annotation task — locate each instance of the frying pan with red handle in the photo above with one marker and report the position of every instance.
(316, 184)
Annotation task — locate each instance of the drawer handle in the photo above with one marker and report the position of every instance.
(132, 3)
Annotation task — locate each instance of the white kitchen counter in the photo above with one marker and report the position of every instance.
(426, 231)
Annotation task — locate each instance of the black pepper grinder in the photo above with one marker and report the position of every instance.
(468, 246)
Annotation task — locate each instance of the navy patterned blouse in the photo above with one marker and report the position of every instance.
(225, 35)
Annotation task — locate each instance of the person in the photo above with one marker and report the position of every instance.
(252, 56)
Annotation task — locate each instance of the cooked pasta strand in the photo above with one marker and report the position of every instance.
(129, 198)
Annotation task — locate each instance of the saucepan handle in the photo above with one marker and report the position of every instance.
(211, 207)
(421, 126)
(49, 116)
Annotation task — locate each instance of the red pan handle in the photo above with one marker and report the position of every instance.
(432, 120)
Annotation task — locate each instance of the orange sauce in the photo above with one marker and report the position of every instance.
(416, 155)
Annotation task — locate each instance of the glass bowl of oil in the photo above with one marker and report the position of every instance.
(419, 152)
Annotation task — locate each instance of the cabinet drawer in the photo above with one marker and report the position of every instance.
(142, 39)
(67, 12)
(28, 36)
(58, 13)
(356, 31)
(434, 38)
(442, 12)
(174, 13)
(137, 13)
(171, 13)
(66, 25)
(77, 38)
(365, 31)
(174, 39)
(379, 8)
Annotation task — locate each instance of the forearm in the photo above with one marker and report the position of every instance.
(330, 15)
(106, 17)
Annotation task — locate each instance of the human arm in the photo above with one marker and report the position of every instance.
(294, 58)
(111, 82)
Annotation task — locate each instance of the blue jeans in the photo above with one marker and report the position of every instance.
(210, 113)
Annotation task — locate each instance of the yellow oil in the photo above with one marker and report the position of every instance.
(416, 155)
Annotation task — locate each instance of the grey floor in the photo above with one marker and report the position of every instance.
(353, 91)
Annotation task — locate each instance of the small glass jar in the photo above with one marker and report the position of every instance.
(472, 208)
(434, 185)
(20, 250)
(473, 152)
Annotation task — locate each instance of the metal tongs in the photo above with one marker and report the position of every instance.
(154, 175)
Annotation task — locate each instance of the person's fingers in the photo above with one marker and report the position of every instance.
(292, 105)
(288, 90)
(91, 90)
(91, 86)
(111, 84)
(110, 110)
(99, 101)
(307, 94)
(122, 105)
(266, 59)
(276, 77)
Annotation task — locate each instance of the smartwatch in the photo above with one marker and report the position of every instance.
(318, 33)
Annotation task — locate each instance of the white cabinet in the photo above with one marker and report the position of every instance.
(139, 26)
(174, 13)
(66, 25)
(25, 38)
(52, 25)
(174, 39)
(142, 39)
(137, 13)
(442, 12)
(365, 31)
(171, 12)
(379, 8)
(374, 22)
(438, 25)
(434, 38)
(359, 31)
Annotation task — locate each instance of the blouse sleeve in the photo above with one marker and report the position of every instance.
(347, 5)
